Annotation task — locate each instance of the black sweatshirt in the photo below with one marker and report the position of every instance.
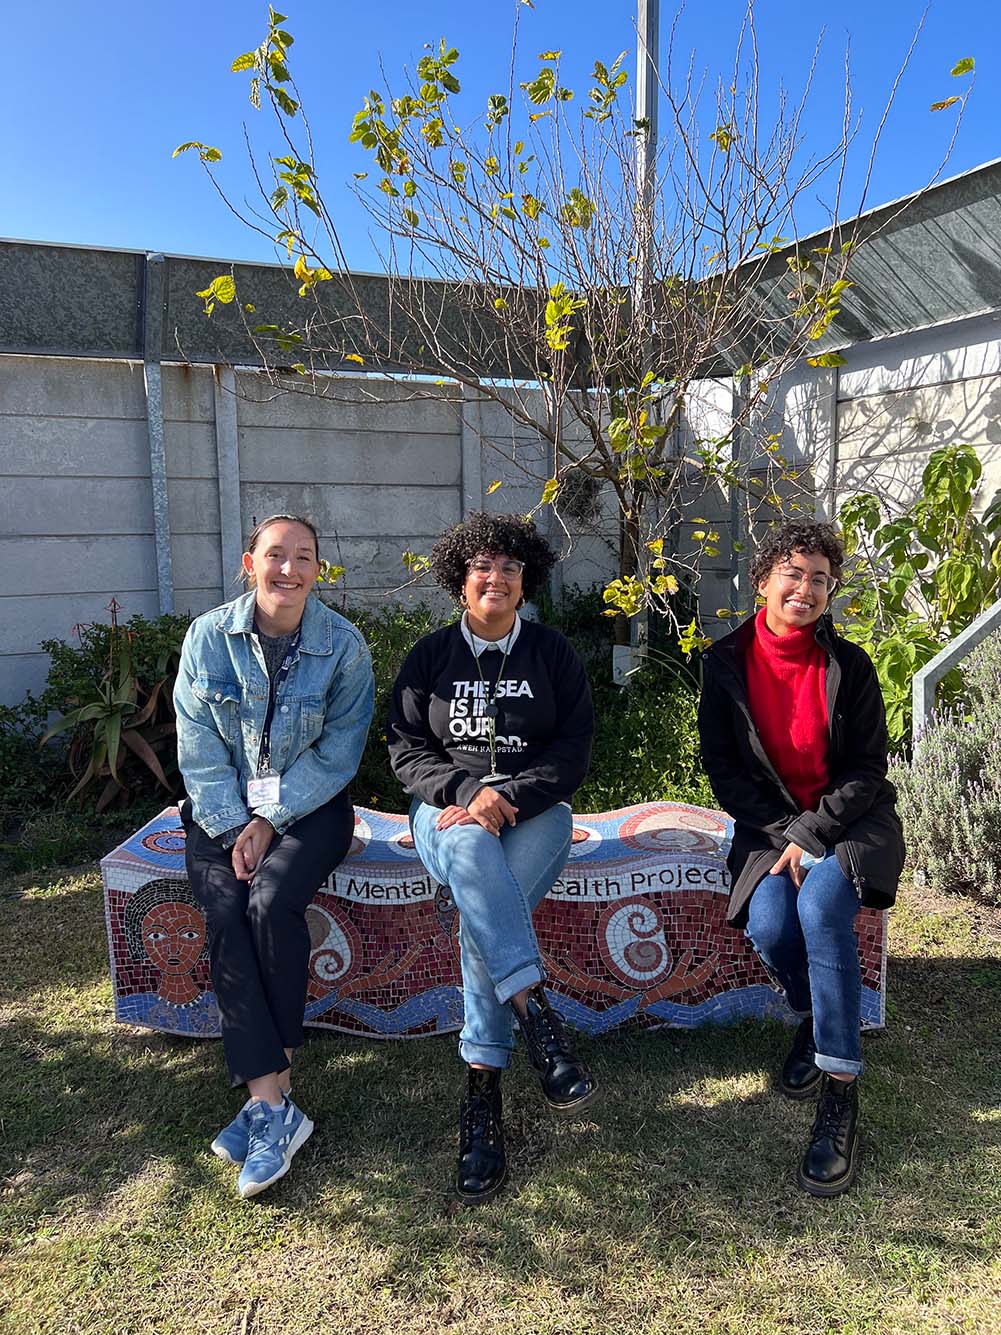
(437, 726)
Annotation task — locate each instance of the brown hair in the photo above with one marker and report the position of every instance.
(258, 529)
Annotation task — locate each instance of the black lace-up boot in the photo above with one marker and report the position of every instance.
(482, 1167)
(800, 1074)
(829, 1164)
(567, 1084)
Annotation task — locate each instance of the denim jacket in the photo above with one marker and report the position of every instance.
(322, 713)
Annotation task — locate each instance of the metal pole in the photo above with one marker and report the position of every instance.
(152, 349)
(647, 44)
(647, 89)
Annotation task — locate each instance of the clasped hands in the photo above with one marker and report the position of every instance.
(488, 808)
(252, 843)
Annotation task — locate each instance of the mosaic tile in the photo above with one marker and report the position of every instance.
(633, 933)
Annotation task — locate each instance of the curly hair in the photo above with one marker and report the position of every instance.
(779, 544)
(491, 535)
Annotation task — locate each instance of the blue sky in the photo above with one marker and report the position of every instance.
(95, 98)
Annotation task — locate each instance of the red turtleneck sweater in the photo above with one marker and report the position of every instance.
(787, 694)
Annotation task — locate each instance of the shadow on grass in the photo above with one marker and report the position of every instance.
(691, 1152)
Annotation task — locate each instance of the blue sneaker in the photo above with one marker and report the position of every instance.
(232, 1141)
(275, 1135)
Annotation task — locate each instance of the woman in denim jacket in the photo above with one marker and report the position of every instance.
(273, 699)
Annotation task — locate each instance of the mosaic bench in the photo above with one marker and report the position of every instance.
(634, 932)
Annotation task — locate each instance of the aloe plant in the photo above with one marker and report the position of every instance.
(109, 724)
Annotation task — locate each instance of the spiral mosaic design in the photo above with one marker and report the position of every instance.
(632, 944)
(335, 946)
(673, 829)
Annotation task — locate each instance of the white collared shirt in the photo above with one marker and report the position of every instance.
(479, 646)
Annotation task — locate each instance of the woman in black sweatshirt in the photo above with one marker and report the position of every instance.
(490, 730)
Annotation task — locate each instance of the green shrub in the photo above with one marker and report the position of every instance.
(76, 669)
(30, 780)
(114, 695)
(950, 793)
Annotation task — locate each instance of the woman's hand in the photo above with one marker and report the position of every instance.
(790, 861)
(252, 843)
(491, 809)
(454, 816)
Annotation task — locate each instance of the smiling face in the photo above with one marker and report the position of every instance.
(283, 568)
(492, 592)
(797, 591)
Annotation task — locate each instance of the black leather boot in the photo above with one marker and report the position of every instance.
(567, 1084)
(482, 1167)
(800, 1075)
(829, 1164)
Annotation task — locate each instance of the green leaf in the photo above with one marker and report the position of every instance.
(205, 152)
(279, 199)
(411, 217)
(287, 104)
(549, 491)
(723, 138)
(245, 62)
(827, 359)
(963, 67)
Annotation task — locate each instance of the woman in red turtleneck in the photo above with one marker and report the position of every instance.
(794, 742)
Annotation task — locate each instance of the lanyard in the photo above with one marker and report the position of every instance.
(491, 711)
(264, 754)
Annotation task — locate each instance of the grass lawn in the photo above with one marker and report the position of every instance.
(673, 1208)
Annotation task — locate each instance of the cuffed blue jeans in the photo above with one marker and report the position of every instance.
(496, 882)
(807, 940)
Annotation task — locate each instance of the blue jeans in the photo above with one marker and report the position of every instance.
(807, 940)
(496, 882)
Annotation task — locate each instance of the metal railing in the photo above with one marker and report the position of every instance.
(928, 677)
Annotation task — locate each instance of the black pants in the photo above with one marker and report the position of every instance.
(258, 938)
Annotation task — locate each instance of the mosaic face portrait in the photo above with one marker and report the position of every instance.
(165, 926)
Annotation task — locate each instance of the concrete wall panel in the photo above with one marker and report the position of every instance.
(78, 565)
(69, 387)
(190, 449)
(62, 506)
(20, 673)
(30, 619)
(194, 506)
(188, 394)
(357, 511)
(73, 446)
(318, 455)
(350, 405)
(198, 564)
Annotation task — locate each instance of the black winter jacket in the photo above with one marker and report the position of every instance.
(856, 816)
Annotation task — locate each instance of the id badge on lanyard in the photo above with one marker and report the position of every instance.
(265, 788)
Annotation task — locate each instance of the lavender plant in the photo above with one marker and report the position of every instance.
(950, 793)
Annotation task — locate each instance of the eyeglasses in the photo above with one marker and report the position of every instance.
(507, 565)
(819, 584)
